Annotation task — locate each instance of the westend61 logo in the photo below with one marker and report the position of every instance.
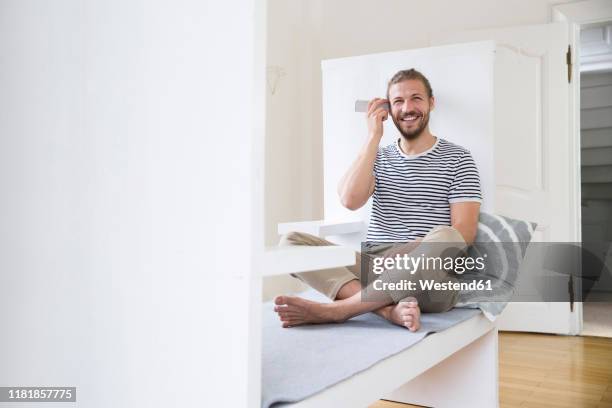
(412, 263)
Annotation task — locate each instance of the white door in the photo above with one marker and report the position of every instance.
(536, 163)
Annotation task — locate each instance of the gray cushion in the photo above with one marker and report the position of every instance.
(304, 360)
(505, 241)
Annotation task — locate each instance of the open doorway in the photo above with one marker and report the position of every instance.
(596, 169)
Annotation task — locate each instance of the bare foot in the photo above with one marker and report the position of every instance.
(295, 311)
(407, 314)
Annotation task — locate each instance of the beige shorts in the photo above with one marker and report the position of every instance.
(440, 240)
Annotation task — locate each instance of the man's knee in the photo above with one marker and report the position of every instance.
(443, 233)
(437, 307)
(437, 301)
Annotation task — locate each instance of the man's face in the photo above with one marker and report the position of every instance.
(410, 107)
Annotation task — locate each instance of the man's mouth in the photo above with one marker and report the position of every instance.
(410, 118)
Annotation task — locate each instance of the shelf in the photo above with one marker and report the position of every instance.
(285, 260)
(322, 228)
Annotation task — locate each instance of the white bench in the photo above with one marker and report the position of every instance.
(457, 367)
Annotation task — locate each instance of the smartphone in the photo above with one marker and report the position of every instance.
(362, 106)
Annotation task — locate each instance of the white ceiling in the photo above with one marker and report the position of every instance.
(596, 48)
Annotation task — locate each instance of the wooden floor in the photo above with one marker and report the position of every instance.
(549, 371)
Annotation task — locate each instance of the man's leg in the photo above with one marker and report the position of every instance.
(405, 313)
(295, 311)
(440, 243)
(338, 284)
(301, 311)
(329, 282)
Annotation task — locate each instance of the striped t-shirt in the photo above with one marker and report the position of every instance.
(412, 194)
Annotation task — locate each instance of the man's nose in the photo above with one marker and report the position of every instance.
(407, 106)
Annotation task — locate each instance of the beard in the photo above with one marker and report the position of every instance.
(421, 123)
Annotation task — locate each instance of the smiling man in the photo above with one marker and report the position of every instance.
(426, 201)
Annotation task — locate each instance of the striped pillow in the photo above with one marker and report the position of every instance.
(504, 241)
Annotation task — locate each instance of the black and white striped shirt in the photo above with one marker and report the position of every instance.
(413, 194)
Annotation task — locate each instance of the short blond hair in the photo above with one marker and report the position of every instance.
(407, 74)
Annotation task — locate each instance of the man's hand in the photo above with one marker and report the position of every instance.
(357, 184)
(377, 114)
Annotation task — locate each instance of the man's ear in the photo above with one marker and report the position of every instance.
(432, 103)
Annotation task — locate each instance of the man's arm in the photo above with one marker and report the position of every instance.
(464, 218)
(357, 184)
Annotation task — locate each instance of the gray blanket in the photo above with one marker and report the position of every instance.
(302, 361)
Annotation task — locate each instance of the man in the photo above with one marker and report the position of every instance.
(426, 195)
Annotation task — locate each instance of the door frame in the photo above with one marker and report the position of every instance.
(577, 15)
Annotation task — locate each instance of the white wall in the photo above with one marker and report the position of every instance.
(340, 28)
(127, 170)
(288, 118)
(288, 126)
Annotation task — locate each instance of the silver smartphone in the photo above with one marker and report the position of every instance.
(362, 105)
